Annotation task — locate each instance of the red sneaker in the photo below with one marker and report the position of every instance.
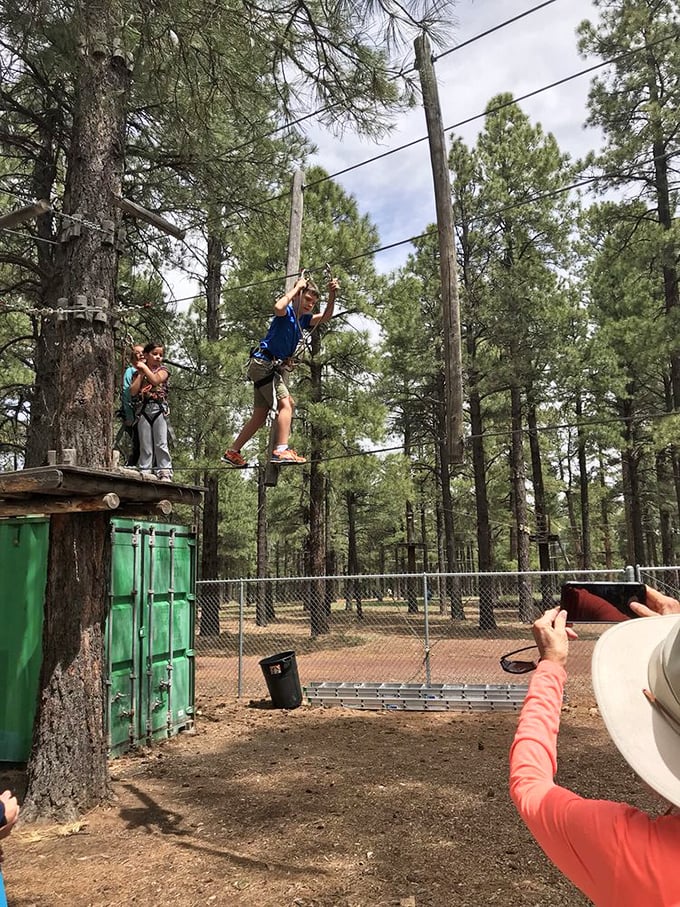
(234, 458)
(287, 456)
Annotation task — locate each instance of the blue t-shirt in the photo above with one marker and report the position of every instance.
(126, 398)
(285, 332)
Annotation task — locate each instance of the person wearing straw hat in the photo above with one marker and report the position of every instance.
(9, 813)
(615, 854)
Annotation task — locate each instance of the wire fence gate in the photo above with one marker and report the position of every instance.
(426, 628)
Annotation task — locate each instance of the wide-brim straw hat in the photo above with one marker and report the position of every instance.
(630, 657)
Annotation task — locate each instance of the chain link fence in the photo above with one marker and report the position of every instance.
(407, 628)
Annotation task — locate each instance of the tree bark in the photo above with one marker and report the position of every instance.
(453, 590)
(541, 508)
(583, 488)
(518, 481)
(68, 771)
(210, 621)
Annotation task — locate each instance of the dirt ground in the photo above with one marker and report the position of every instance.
(316, 807)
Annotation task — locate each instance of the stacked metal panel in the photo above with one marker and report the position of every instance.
(432, 697)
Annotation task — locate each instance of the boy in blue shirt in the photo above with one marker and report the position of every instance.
(292, 316)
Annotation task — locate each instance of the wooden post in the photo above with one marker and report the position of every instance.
(453, 366)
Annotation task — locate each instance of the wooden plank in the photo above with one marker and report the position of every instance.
(35, 505)
(145, 511)
(30, 480)
(74, 481)
(149, 217)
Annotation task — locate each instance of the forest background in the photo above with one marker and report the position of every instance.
(567, 279)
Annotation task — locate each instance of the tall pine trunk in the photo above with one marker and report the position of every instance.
(518, 482)
(67, 771)
(210, 610)
(541, 508)
(487, 595)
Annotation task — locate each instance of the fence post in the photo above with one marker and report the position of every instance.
(426, 608)
(241, 605)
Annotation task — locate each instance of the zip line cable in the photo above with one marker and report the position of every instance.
(495, 109)
(328, 107)
(594, 423)
(552, 193)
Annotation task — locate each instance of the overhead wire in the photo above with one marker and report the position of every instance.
(413, 68)
(589, 423)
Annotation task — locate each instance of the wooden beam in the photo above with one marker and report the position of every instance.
(78, 481)
(37, 505)
(30, 480)
(21, 215)
(145, 511)
(135, 210)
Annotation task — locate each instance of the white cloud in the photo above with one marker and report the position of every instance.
(539, 49)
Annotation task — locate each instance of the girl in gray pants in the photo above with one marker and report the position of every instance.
(150, 388)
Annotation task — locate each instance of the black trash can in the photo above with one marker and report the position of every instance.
(281, 673)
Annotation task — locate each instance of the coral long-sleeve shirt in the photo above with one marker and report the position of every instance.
(618, 856)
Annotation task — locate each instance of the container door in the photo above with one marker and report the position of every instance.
(150, 632)
(123, 642)
(24, 546)
(167, 693)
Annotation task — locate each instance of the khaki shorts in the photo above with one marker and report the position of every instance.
(263, 396)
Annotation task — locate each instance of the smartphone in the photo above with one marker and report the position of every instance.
(600, 601)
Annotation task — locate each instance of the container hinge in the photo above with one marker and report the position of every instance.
(127, 713)
(164, 684)
(157, 704)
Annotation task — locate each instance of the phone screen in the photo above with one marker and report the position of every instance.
(600, 601)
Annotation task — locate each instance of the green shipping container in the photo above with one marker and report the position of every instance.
(23, 574)
(150, 632)
(148, 635)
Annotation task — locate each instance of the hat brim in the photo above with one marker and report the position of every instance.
(645, 738)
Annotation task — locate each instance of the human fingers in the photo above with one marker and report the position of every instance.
(11, 806)
(642, 610)
(659, 603)
(547, 619)
(551, 635)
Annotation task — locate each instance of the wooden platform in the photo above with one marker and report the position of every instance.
(66, 489)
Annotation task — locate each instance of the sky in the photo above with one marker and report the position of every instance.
(397, 192)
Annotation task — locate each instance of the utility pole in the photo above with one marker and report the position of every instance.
(453, 366)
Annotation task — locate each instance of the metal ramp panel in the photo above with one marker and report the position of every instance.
(432, 697)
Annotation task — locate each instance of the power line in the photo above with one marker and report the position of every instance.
(490, 31)
(328, 107)
(495, 109)
(413, 68)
